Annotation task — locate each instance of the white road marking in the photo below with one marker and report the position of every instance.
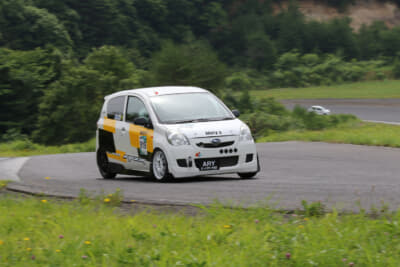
(384, 122)
(9, 168)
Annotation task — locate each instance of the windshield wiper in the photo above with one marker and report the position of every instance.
(221, 119)
(202, 120)
(194, 120)
(185, 121)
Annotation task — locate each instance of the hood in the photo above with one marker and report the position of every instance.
(207, 129)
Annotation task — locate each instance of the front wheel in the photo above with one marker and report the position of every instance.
(159, 167)
(102, 163)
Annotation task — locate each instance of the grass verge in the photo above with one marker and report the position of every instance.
(21, 148)
(358, 133)
(368, 89)
(44, 232)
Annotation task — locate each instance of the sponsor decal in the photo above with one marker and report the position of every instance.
(198, 154)
(131, 158)
(136, 132)
(143, 145)
(118, 117)
(208, 164)
(213, 132)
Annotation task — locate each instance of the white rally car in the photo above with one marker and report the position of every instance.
(172, 132)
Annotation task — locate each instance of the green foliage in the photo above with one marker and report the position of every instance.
(261, 52)
(92, 234)
(296, 70)
(396, 68)
(349, 133)
(23, 77)
(266, 116)
(314, 209)
(70, 106)
(58, 59)
(24, 26)
(238, 81)
(25, 147)
(359, 90)
(189, 64)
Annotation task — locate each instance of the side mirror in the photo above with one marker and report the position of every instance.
(236, 113)
(143, 122)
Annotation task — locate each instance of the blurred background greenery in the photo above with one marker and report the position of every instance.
(58, 59)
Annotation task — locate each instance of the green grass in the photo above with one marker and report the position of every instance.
(22, 148)
(368, 89)
(34, 232)
(359, 133)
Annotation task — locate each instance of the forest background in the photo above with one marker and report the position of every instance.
(58, 59)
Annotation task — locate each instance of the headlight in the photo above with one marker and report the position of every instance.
(177, 139)
(245, 134)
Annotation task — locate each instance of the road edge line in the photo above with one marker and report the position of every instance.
(9, 168)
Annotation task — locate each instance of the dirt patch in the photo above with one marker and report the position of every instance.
(362, 12)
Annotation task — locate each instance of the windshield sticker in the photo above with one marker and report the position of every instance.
(143, 145)
(118, 117)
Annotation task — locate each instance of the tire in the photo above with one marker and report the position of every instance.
(249, 175)
(102, 164)
(159, 167)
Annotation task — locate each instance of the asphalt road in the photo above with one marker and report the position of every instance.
(338, 175)
(387, 110)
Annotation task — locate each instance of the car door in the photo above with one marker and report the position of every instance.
(113, 125)
(140, 137)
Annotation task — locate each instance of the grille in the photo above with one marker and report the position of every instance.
(211, 145)
(222, 162)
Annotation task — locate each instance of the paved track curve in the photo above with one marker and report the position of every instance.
(338, 175)
(386, 110)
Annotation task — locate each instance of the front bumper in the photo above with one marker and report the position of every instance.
(227, 156)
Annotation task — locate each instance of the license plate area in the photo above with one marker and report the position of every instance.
(207, 164)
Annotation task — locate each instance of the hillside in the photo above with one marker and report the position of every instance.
(361, 12)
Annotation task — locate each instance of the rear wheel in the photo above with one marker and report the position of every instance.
(102, 163)
(159, 167)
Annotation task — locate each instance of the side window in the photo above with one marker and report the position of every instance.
(135, 109)
(115, 108)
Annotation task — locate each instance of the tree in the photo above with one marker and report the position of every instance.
(291, 29)
(370, 40)
(261, 53)
(26, 27)
(391, 42)
(71, 105)
(193, 64)
(23, 77)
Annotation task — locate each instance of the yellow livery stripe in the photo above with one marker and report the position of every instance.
(109, 125)
(118, 155)
(136, 131)
(150, 135)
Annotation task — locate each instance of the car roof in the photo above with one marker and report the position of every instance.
(317, 107)
(159, 90)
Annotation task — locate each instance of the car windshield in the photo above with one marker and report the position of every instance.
(189, 107)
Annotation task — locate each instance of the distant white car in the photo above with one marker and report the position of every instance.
(319, 110)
